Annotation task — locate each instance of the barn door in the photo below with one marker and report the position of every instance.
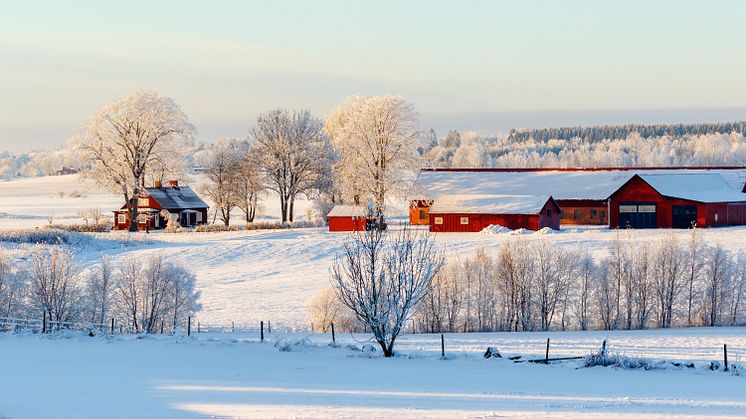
(637, 215)
(683, 216)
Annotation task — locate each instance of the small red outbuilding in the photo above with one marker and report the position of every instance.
(676, 201)
(472, 213)
(347, 218)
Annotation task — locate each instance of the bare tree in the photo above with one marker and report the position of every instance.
(382, 276)
(130, 137)
(695, 266)
(587, 272)
(717, 271)
(248, 185)
(670, 266)
(129, 289)
(222, 167)
(293, 155)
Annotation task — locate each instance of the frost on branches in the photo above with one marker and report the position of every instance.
(143, 135)
(382, 277)
(377, 140)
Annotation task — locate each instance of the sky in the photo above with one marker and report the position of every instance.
(468, 65)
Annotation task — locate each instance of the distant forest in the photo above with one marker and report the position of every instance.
(615, 132)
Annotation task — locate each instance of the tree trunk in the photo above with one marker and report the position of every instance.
(133, 211)
(290, 209)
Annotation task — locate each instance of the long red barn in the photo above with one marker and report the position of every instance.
(473, 213)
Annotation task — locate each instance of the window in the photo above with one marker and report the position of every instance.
(438, 220)
(594, 214)
(576, 214)
(549, 212)
(603, 214)
(143, 202)
(646, 208)
(122, 219)
(464, 220)
(716, 218)
(423, 214)
(562, 214)
(142, 218)
(199, 216)
(627, 208)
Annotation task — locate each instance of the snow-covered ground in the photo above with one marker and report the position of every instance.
(299, 375)
(248, 276)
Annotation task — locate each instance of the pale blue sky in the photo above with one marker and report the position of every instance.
(486, 65)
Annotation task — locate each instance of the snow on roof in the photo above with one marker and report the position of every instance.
(489, 204)
(347, 211)
(560, 184)
(700, 187)
(182, 197)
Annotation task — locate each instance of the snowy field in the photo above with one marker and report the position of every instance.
(248, 276)
(300, 375)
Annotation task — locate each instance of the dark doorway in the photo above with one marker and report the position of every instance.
(637, 215)
(683, 216)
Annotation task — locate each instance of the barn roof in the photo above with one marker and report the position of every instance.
(176, 198)
(347, 211)
(699, 187)
(489, 204)
(562, 184)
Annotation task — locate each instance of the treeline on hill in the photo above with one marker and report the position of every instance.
(470, 149)
(616, 132)
(141, 295)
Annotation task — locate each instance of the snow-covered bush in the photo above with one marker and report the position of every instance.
(211, 228)
(103, 227)
(325, 308)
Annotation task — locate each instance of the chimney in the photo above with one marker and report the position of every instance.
(157, 184)
(173, 183)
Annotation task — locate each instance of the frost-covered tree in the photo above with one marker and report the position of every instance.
(56, 287)
(100, 290)
(248, 184)
(134, 136)
(376, 139)
(292, 152)
(382, 276)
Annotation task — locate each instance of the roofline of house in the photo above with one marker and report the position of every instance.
(575, 169)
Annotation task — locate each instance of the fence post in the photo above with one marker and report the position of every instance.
(546, 357)
(233, 327)
(725, 356)
(120, 329)
(269, 326)
(442, 346)
(334, 339)
(161, 326)
(111, 331)
(44, 322)
(261, 329)
(189, 326)
(198, 328)
(311, 327)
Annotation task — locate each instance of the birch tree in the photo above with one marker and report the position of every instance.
(376, 139)
(55, 283)
(131, 137)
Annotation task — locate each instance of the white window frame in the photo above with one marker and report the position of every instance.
(142, 218)
(122, 219)
(199, 217)
(628, 208)
(646, 208)
(438, 220)
(464, 220)
(143, 202)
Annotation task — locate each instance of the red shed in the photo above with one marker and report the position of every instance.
(676, 201)
(347, 218)
(472, 213)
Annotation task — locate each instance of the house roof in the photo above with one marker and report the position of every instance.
(489, 204)
(699, 187)
(347, 211)
(176, 198)
(562, 184)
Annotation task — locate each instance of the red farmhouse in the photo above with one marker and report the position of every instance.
(472, 213)
(181, 203)
(676, 201)
(347, 218)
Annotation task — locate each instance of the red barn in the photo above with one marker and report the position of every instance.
(181, 202)
(347, 218)
(676, 201)
(472, 213)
